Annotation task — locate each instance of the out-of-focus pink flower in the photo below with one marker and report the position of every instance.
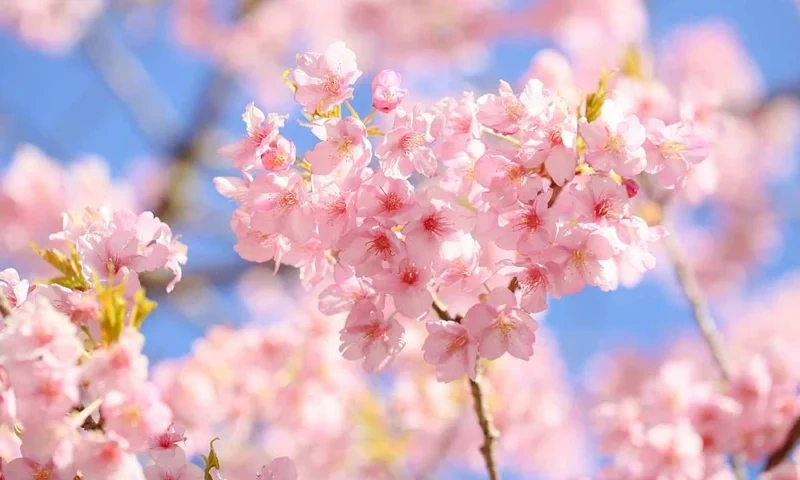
(279, 469)
(386, 91)
(672, 150)
(505, 112)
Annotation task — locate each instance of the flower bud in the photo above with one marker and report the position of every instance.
(386, 91)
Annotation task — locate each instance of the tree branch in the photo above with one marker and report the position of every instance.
(5, 308)
(700, 311)
(782, 453)
(487, 427)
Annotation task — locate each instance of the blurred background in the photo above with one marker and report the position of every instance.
(128, 100)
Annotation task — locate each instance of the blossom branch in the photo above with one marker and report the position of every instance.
(481, 409)
(778, 456)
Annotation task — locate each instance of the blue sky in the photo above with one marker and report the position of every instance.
(60, 104)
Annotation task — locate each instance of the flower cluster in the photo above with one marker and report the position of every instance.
(283, 386)
(523, 195)
(676, 418)
(75, 398)
(50, 24)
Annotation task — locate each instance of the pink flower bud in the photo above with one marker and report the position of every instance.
(386, 91)
(631, 187)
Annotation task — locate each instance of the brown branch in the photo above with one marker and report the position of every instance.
(782, 453)
(5, 308)
(485, 421)
(700, 311)
(487, 427)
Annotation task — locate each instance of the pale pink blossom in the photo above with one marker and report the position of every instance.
(407, 283)
(672, 150)
(262, 133)
(554, 145)
(370, 247)
(344, 143)
(407, 146)
(386, 91)
(13, 288)
(118, 366)
(101, 458)
(325, 80)
(600, 199)
(347, 291)
(451, 349)
(504, 113)
(585, 257)
(135, 414)
(369, 335)
(500, 326)
(388, 200)
(614, 142)
(28, 469)
(281, 468)
(278, 157)
(282, 206)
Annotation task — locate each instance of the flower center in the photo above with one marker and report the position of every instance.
(380, 245)
(345, 148)
(332, 85)
(409, 276)
(391, 202)
(288, 200)
(515, 172)
(505, 324)
(671, 150)
(514, 108)
(411, 141)
(603, 208)
(555, 138)
(614, 144)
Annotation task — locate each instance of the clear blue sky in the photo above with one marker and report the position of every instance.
(60, 104)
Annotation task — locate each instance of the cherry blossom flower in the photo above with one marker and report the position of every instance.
(344, 141)
(500, 326)
(368, 335)
(262, 132)
(451, 349)
(279, 469)
(614, 142)
(325, 80)
(505, 112)
(672, 150)
(386, 92)
(407, 282)
(406, 147)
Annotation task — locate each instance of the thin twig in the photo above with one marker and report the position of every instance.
(779, 456)
(694, 295)
(487, 427)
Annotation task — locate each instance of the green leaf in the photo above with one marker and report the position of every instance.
(211, 461)
(142, 307)
(69, 266)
